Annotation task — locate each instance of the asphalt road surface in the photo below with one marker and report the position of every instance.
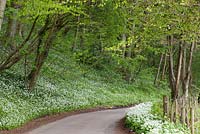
(101, 122)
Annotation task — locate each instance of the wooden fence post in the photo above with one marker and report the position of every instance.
(172, 112)
(187, 111)
(176, 111)
(192, 119)
(183, 112)
(165, 106)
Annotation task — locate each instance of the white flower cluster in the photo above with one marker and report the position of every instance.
(143, 121)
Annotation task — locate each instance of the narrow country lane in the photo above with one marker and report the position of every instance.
(101, 122)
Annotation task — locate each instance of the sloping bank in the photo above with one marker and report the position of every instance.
(19, 106)
(68, 86)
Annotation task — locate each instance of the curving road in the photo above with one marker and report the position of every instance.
(102, 122)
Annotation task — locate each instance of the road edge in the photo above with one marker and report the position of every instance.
(52, 118)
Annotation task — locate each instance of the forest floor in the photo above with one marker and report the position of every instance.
(65, 87)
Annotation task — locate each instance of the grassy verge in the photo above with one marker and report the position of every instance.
(68, 86)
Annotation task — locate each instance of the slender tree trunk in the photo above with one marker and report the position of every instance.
(2, 8)
(183, 76)
(74, 46)
(159, 68)
(124, 45)
(20, 29)
(172, 78)
(179, 67)
(82, 33)
(188, 77)
(164, 67)
(129, 53)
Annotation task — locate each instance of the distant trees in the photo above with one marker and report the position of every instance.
(179, 26)
(125, 34)
(184, 38)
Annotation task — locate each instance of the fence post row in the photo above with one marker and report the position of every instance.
(181, 110)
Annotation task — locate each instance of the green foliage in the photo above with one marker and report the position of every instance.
(157, 109)
(196, 74)
(46, 7)
(92, 73)
(97, 32)
(135, 126)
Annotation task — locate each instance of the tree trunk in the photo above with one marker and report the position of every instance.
(179, 67)
(183, 76)
(20, 29)
(158, 71)
(188, 76)
(11, 28)
(74, 46)
(124, 45)
(2, 8)
(15, 56)
(172, 79)
(42, 53)
(164, 67)
(82, 33)
(129, 53)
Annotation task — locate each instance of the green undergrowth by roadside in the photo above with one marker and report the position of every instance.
(68, 86)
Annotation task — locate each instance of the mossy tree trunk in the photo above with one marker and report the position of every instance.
(2, 8)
